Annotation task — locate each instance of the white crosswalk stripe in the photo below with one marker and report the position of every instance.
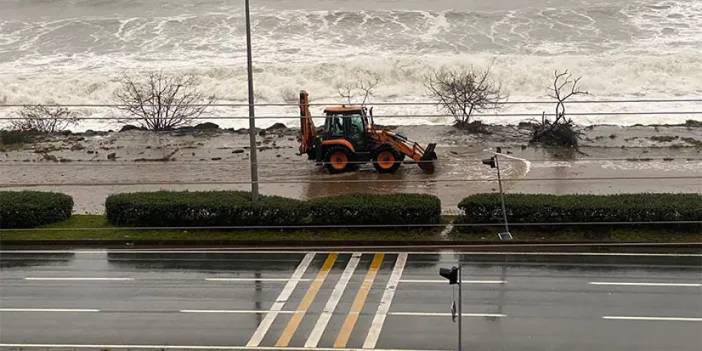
(267, 321)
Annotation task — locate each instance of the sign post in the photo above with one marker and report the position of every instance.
(453, 275)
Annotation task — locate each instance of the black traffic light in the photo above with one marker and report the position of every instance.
(450, 273)
(490, 162)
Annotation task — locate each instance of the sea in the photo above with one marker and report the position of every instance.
(76, 51)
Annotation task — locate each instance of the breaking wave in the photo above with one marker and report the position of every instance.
(644, 48)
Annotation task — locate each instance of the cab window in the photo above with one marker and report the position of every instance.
(335, 126)
(355, 125)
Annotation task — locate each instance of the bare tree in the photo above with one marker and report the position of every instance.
(562, 131)
(362, 85)
(463, 92)
(564, 87)
(163, 102)
(44, 119)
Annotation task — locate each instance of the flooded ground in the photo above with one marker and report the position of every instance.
(90, 166)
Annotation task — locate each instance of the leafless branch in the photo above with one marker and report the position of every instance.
(564, 87)
(463, 92)
(163, 102)
(346, 91)
(361, 87)
(44, 119)
(562, 131)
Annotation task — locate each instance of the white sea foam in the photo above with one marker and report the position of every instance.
(623, 49)
(605, 76)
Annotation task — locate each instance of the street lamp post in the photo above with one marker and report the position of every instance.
(252, 122)
(502, 194)
(494, 162)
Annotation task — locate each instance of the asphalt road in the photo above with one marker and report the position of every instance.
(386, 300)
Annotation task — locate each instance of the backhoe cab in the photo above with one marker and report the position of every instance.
(349, 138)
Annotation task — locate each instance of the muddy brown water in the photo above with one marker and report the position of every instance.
(91, 167)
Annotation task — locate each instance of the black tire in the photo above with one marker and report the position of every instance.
(333, 159)
(386, 160)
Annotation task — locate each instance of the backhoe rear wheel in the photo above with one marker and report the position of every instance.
(386, 160)
(337, 159)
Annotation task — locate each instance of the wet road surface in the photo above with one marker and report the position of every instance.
(347, 300)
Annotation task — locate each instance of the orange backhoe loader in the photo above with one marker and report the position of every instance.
(349, 138)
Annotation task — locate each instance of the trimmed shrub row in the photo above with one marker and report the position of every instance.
(23, 209)
(375, 209)
(208, 208)
(233, 208)
(540, 208)
(26, 209)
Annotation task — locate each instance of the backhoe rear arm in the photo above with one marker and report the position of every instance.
(307, 129)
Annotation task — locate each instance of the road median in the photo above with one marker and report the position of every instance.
(231, 219)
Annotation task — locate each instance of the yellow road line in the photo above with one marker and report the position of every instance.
(345, 333)
(306, 302)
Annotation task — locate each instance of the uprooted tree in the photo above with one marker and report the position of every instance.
(43, 119)
(162, 102)
(360, 87)
(562, 131)
(462, 92)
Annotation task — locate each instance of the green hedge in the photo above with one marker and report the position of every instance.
(232, 208)
(210, 208)
(375, 209)
(27, 209)
(540, 208)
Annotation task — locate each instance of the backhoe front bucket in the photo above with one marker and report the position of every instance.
(428, 161)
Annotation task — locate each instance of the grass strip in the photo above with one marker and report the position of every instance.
(65, 230)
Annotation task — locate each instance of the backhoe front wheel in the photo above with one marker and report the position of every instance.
(337, 159)
(386, 160)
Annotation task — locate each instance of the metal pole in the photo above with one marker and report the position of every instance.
(252, 122)
(460, 306)
(502, 195)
